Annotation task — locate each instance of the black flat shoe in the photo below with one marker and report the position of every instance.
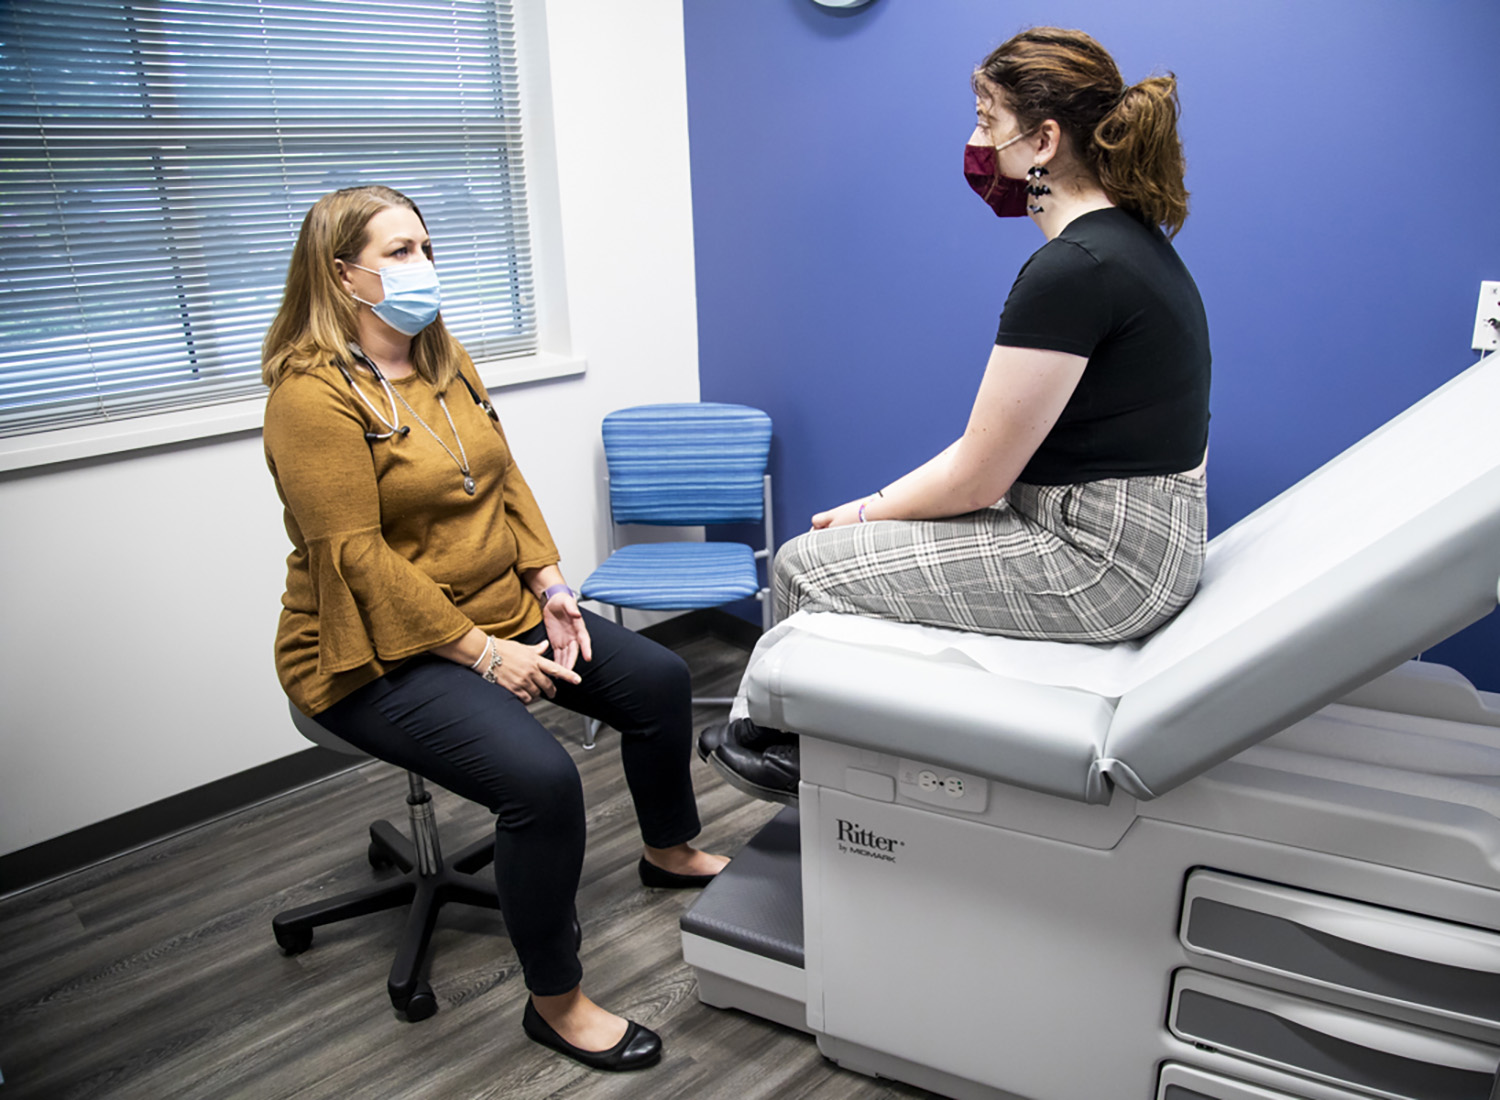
(771, 775)
(640, 1047)
(662, 879)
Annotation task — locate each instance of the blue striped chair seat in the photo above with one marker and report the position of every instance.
(674, 576)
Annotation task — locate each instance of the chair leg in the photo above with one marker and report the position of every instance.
(293, 928)
(388, 848)
(408, 988)
(479, 854)
(471, 890)
(590, 732)
(407, 985)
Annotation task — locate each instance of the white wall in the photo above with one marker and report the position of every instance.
(140, 590)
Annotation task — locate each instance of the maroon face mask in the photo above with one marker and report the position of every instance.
(1006, 197)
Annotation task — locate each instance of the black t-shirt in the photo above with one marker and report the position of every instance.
(1115, 291)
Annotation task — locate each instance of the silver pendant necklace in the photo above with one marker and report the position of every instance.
(461, 460)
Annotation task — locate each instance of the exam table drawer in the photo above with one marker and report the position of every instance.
(1179, 1082)
(1397, 958)
(1387, 1059)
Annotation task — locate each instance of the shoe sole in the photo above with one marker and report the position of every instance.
(754, 790)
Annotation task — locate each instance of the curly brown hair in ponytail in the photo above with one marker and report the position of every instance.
(1126, 137)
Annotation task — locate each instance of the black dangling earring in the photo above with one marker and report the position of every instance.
(1035, 188)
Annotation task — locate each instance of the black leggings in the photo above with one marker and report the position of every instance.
(448, 725)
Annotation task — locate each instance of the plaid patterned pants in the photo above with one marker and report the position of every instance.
(1098, 562)
(1101, 561)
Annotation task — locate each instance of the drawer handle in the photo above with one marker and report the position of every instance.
(1441, 943)
(1374, 1035)
(1424, 943)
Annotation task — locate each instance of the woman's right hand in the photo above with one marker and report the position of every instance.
(842, 516)
(526, 674)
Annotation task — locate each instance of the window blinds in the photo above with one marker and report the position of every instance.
(160, 155)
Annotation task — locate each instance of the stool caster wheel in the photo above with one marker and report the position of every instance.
(293, 940)
(421, 1005)
(378, 857)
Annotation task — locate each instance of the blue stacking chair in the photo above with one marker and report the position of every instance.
(683, 465)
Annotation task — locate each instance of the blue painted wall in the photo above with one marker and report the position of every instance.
(1344, 160)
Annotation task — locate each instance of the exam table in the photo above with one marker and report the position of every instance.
(1253, 857)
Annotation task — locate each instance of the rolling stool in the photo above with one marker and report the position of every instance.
(427, 885)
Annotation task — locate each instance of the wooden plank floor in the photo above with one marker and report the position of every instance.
(155, 975)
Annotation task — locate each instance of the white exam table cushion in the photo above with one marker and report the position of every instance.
(938, 711)
(1389, 548)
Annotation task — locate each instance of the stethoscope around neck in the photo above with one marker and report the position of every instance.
(394, 428)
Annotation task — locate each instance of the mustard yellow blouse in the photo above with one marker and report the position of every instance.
(390, 556)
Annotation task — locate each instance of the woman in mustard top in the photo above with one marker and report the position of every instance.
(424, 607)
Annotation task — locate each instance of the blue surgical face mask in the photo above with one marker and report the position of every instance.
(412, 296)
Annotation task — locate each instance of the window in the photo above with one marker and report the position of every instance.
(159, 157)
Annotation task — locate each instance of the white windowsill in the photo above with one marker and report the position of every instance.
(158, 429)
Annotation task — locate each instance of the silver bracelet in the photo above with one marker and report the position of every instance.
(483, 654)
(495, 662)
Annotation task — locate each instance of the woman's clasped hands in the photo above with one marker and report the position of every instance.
(566, 632)
(526, 674)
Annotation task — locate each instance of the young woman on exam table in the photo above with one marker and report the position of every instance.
(1090, 428)
(424, 607)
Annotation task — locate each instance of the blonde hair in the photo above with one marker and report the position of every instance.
(318, 318)
(1126, 137)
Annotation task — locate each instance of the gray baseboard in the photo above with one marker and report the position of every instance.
(134, 828)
